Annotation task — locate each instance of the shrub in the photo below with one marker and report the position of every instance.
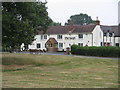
(104, 51)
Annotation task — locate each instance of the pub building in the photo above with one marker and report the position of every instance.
(58, 38)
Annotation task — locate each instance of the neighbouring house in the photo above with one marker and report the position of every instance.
(61, 37)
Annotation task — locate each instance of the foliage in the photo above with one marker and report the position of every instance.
(80, 19)
(55, 24)
(20, 20)
(96, 51)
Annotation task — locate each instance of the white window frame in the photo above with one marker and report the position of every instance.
(37, 45)
(80, 44)
(59, 36)
(79, 36)
(43, 37)
(60, 45)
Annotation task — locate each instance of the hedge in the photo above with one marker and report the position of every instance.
(104, 51)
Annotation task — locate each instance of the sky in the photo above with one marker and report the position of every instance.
(119, 12)
(106, 10)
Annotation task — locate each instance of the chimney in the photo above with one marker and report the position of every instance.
(70, 26)
(97, 21)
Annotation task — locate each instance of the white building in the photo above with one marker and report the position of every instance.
(65, 36)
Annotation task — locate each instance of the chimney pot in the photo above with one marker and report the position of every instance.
(97, 21)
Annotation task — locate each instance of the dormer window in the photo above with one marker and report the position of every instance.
(43, 37)
(59, 36)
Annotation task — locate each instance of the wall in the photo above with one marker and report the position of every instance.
(117, 40)
(97, 36)
(67, 42)
(91, 39)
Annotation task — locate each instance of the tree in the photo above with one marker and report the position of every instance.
(20, 20)
(80, 19)
(55, 24)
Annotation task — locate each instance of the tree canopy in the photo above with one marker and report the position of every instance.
(20, 20)
(80, 19)
(55, 23)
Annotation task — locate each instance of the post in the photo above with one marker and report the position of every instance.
(92, 39)
(110, 41)
(103, 39)
(67, 50)
(106, 41)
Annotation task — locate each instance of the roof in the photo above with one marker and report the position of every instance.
(51, 41)
(84, 29)
(111, 29)
(68, 29)
(80, 29)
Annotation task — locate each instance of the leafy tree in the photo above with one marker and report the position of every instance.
(20, 21)
(55, 24)
(80, 19)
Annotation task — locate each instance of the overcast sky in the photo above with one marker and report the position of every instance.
(106, 10)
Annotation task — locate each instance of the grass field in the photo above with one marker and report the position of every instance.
(50, 71)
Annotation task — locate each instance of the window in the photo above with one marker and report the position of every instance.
(43, 37)
(80, 44)
(117, 44)
(26, 46)
(59, 36)
(105, 34)
(50, 45)
(101, 43)
(39, 45)
(80, 35)
(60, 45)
(110, 34)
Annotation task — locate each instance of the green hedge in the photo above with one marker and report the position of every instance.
(103, 51)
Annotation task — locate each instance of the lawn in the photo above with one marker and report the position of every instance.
(50, 71)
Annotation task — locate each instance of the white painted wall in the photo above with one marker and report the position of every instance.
(91, 39)
(66, 42)
(97, 36)
(117, 40)
(113, 40)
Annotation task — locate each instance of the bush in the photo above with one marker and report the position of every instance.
(104, 51)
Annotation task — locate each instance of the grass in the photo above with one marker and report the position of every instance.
(50, 71)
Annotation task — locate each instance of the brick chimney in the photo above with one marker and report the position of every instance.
(70, 27)
(97, 21)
